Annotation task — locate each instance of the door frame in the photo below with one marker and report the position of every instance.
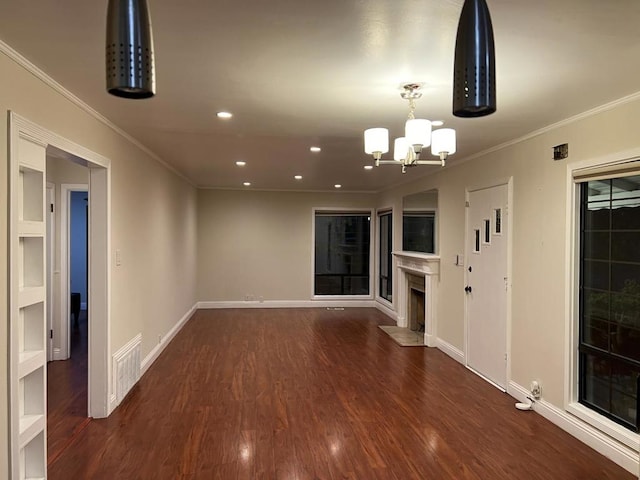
(64, 331)
(467, 255)
(51, 254)
(99, 368)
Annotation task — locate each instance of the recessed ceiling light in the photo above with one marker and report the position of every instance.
(224, 114)
(337, 185)
(437, 123)
(240, 163)
(368, 167)
(315, 149)
(247, 184)
(298, 177)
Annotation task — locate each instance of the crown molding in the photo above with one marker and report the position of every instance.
(57, 87)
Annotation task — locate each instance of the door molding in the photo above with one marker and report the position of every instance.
(467, 254)
(99, 257)
(64, 331)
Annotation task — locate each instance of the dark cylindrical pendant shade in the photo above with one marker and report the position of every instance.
(130, 65)
(474, 69)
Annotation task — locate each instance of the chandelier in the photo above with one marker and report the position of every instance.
(417, 137)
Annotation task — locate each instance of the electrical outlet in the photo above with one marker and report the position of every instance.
(536, 390)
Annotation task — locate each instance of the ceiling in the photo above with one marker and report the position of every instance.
(309, 72)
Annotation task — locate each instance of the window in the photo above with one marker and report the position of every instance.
(385, 260)
(418, 232)
(609, 302)
(342, 253)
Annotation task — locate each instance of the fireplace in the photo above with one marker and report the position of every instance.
(416, 298)
(418, 278)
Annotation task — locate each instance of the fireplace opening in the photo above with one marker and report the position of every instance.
(416, 301)
(416, 311)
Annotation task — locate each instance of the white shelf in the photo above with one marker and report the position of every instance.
(30, 296)
(29, 361)
(31, 229)
(30, 426)
(31, 254)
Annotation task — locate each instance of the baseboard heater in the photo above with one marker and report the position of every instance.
(126, 368)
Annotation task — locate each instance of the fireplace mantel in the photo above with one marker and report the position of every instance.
(427, 266)
(426, 263)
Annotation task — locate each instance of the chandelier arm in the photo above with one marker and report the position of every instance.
(429, 162)
(388, 162)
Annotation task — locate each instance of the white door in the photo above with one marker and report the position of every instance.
(486, 288)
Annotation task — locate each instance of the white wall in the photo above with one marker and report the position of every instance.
(260, 243)
(153, 222)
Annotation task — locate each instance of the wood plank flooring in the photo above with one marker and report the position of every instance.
(67, 393)
(317, 394)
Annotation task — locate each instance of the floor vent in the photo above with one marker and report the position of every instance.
(126, 367)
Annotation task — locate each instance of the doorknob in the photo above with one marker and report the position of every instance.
(467, 289)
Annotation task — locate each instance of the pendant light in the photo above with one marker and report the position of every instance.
(474, 70)
(130, 64)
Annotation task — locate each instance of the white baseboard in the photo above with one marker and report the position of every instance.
(58, 355)
(601, 443)
(453, 352)
(157, 350)
(389, 312)
(288, 304)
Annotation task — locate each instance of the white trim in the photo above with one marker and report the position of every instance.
(587, 418)
(57, 354)
(50, 212)
(159, 348)
(604, 425)
(63, 330)
(453, 352)
(549, 128)
(385, 307)
(99, 369)
(376, 266)
(344, 210)
(57, 87)
(594, 438)
(288, 304)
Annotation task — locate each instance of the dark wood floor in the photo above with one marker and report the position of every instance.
(317, 394)
(67, 393)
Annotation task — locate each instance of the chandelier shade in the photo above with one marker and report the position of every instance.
(417, 131)
(376, 141)
(474, 69)
(443, 140)
(400, 148)
(130, 67)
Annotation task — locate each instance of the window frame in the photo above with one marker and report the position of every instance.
(626, 164)
(378, 248)
(343, 211)
(417, 213)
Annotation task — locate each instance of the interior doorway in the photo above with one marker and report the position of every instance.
(487, 285)
(29, 145)
(67, 374)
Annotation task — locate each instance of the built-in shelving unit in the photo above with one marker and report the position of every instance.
(28, 361)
